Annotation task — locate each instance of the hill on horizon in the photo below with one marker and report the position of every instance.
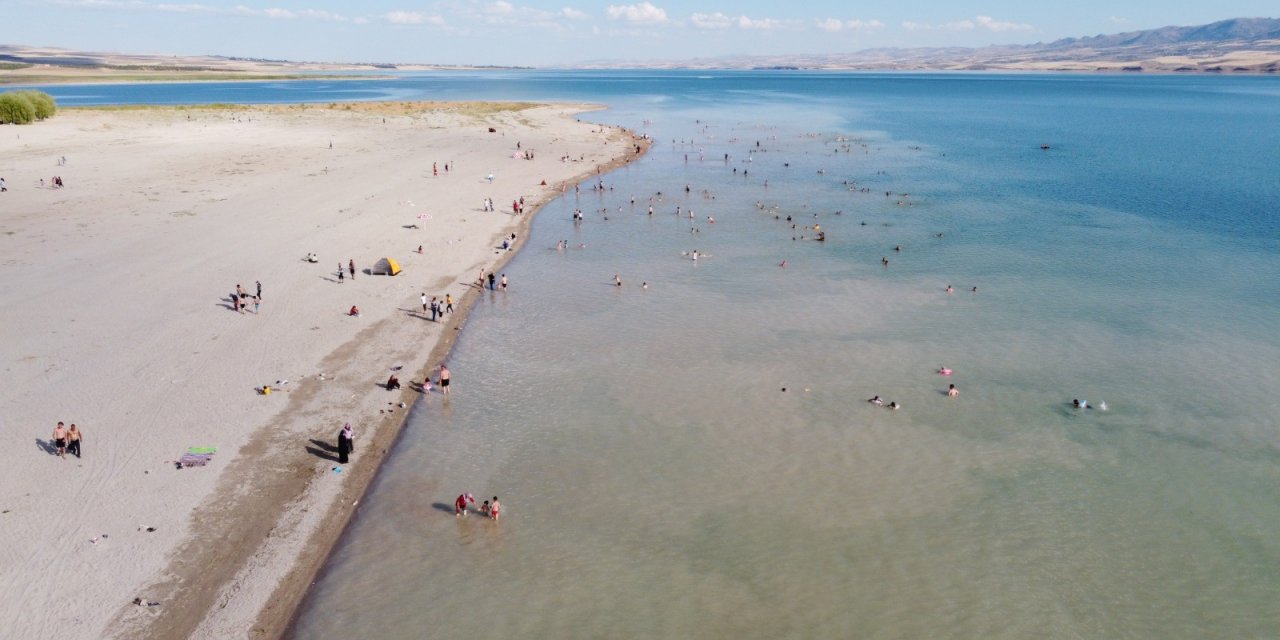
(1240, 45)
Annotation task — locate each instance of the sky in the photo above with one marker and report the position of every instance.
(565, 32)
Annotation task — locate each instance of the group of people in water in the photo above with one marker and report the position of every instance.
(490, 509)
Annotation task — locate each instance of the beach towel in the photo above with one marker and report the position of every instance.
(196, 457)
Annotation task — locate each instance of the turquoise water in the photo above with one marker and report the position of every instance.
(657, 480)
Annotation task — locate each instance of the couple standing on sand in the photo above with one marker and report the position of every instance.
(67, 439)
(488, 509)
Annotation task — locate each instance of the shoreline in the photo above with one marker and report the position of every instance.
(277, 621)
(163, 209)
(277, 612)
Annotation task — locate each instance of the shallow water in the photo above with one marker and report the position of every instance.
(659, 482)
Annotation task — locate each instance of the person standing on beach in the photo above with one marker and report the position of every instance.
(73, 440)
(435, 308)
(345, 446)
(495, 508)
(351, 264)
(341, 274)
(491, 279)
(424, 303)
(444, 380)
(504, 281)
(259, 285)
(256, 301)
(2, 187)
(448, 302)
(60, 439)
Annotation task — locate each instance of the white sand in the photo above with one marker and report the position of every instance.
(116, 316)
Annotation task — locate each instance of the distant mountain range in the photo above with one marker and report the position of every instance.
(1239, 45)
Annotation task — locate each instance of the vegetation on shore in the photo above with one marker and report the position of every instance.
(25, 107)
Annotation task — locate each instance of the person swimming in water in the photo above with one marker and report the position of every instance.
(876, 401)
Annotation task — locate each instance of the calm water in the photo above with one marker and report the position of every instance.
(658, 481)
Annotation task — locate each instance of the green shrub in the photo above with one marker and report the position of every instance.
(16, 108)
(25, 107)
(44, 103)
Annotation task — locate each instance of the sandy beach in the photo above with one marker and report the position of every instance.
(119, 317)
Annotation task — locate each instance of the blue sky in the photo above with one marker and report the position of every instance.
(551, 32)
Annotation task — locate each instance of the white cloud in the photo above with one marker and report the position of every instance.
(719, 20)
(405, 17)
(192, 7)
(573, 14)
(643, 13)
(1118, 20)
(501, 7)
(184, 8)
(759, 23)
(986, 23)
(715, 20)
(832, 25)
(863, 25)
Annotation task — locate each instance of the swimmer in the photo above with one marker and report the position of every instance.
(876, 400)
(617, 281)
(783, 264)
(949, 289)
(644, 285)
(944, 371)
(952, 391)
(1102, 406)
(894, 406)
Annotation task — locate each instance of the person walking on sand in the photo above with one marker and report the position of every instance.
(256, 301)
(2, 187)
(435, 308)
(341, 274)
(258, 283)
(495, 508)
(424, 303)
(60, 439)
(448, 303)
(345, 445)
(351, 264)
(444, 380)
(73, 440)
